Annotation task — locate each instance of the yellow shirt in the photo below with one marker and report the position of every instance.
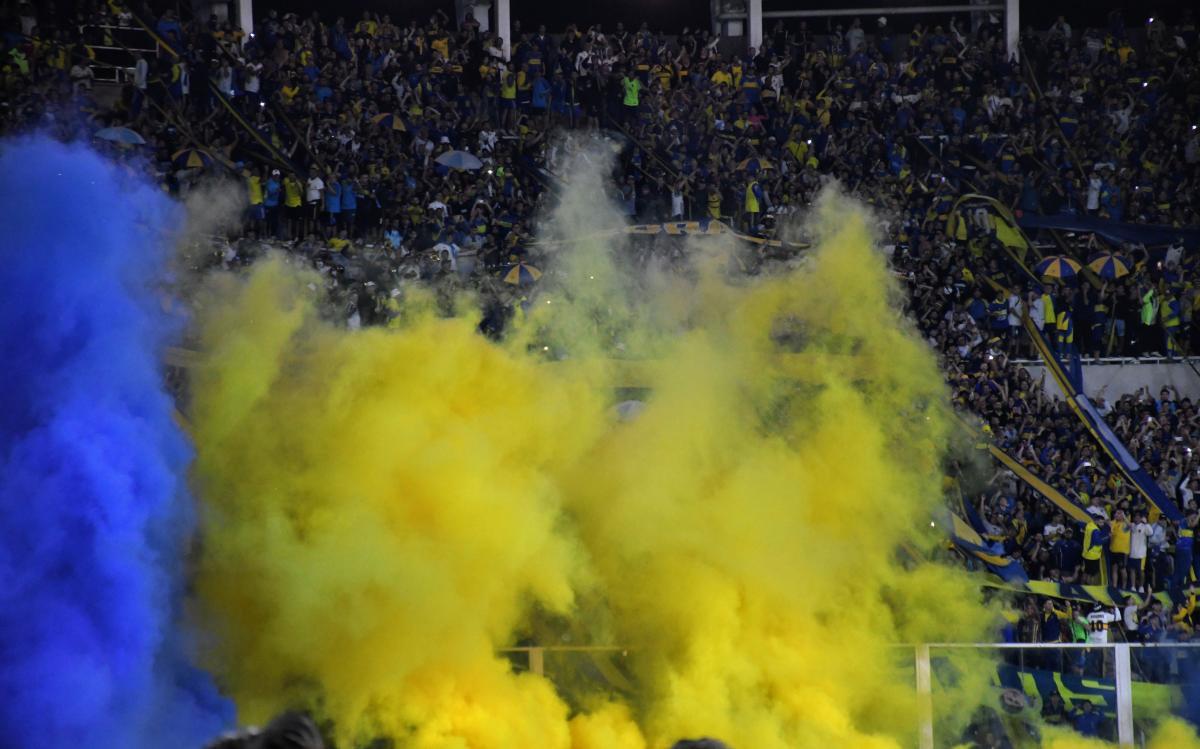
(291, 192)
(1119, 543)
(1090, 551)
(722, 78)
(254, 186)
(798, 149)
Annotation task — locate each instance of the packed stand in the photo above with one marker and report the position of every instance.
(338, 132)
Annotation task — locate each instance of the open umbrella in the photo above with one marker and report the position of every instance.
(1110, 265)
(521, 274)
(753, 165)
(122, 135)
(1057, 266)
(190, 158)
(459, 160)
(390, 121)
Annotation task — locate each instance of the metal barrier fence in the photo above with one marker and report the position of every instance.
(1120, 679)
(1129, 685)
(114, 63)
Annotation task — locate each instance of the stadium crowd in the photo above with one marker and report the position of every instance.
(348, 134)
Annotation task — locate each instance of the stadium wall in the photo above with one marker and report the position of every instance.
(1112, 380)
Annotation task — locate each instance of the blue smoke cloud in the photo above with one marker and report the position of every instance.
(94, 515)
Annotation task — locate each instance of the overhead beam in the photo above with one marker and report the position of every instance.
(909, 10)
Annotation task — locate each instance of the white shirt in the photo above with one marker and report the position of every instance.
(1093, 193)
(141, 71)
(1037, 312)
(1015, 308)
(1130, 618)
(487, 141)
(1098, 622)
(1158, 536)
(854, 39)
(315, 186)
(1054, 529)
(252, 72)
(1139, 534)
(82, 75)
(676, 204)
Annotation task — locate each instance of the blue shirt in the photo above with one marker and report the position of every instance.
(1088, 723)
(349, 197)
(271, 193)
(541, 93)
(333, 197)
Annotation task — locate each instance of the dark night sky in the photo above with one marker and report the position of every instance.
(672, 15)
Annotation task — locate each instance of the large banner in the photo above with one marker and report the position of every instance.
(1105, 595)
(1105, 438)
(1150, 700)
(1072, 508)
(1114, 231)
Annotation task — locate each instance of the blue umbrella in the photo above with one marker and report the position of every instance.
(459, 160)
(121, 135)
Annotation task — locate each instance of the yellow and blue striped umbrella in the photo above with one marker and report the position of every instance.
(191, 158)
(521, 274)
(753, 165)
(1057, 266)
(390, 121)
(1110, 265)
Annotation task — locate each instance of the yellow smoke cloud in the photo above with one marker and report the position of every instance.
(384, 510)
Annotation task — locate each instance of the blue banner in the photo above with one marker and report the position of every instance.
(1114, 231)
(1105, 437)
